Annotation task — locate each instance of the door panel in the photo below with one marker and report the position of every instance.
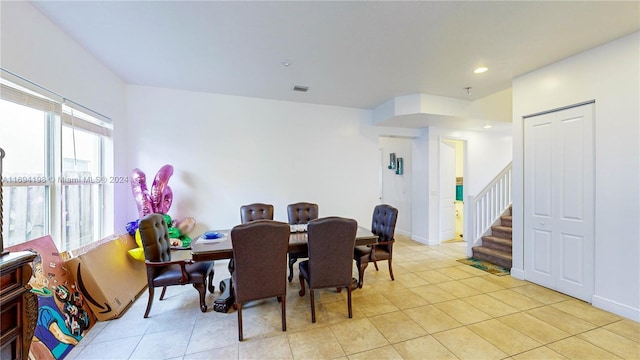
(572, 265)
(447, 190)
(540, 151)
(572, 169)
(559, 200)
(541, 257)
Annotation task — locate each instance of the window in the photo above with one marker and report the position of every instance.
(53, 171)
(81, 187)
(25, 189)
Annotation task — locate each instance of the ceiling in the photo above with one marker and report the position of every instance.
(355, 54)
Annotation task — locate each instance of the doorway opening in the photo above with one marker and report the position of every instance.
(451, 190)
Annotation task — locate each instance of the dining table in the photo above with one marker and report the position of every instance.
(203, 249)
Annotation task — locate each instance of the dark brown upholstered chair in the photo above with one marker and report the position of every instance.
(161, 271)
(260, 256)
(257, 211)
(253, 212)
(383, 225)
(330, 242)
(300, 213)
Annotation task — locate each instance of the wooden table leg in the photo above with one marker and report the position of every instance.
(225, 301)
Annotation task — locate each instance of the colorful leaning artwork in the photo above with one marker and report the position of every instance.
(63, 316)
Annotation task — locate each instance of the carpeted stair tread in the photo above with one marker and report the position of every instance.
(506, 229)
(497, 243)
(502, 231)
(493, 256)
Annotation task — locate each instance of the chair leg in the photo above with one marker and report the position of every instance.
(361, 267)
(375, 263)
(203, 292)
(349, 301)
(313, 306)
(292, 261)
(284, 312)
(146, 313)
(301, 278)
(164, 289)
(390, 269)
(239, 309)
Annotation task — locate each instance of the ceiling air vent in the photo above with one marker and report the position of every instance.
(300, 88)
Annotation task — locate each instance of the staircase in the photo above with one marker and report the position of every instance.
(496, 247)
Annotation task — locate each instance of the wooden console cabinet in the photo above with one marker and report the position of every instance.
(18, 305)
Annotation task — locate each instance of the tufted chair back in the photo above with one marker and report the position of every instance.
(256, 211)
(383, 224)
(154, 234)
(302, 212)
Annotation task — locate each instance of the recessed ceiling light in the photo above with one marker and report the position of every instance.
(487, 127)
(480, 70)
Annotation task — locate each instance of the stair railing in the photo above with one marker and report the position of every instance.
(486, 208)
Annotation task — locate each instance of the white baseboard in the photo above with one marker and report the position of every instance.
(419, 239)
(517, 273)
(616, 308)
(403, 233)
(598, 301)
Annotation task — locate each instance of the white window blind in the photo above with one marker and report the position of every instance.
(23, 92)
(25, 97)
(75, 119)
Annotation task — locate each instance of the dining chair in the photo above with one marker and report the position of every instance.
(256, 211)
(253, 212)
(300, 213)
(330, 242)
(383, 224)
(260, 256)
(162, 271)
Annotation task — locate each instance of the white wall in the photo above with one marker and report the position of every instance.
(34, 48)
(396, 189)
(228, 151)
(610, 75)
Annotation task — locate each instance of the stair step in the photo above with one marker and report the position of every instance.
(502, 231)
(506, 220)
(497, 243)
(493, 256)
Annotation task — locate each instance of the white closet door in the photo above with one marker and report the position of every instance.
(559, 200)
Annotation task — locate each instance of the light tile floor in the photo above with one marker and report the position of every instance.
(437, 308)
